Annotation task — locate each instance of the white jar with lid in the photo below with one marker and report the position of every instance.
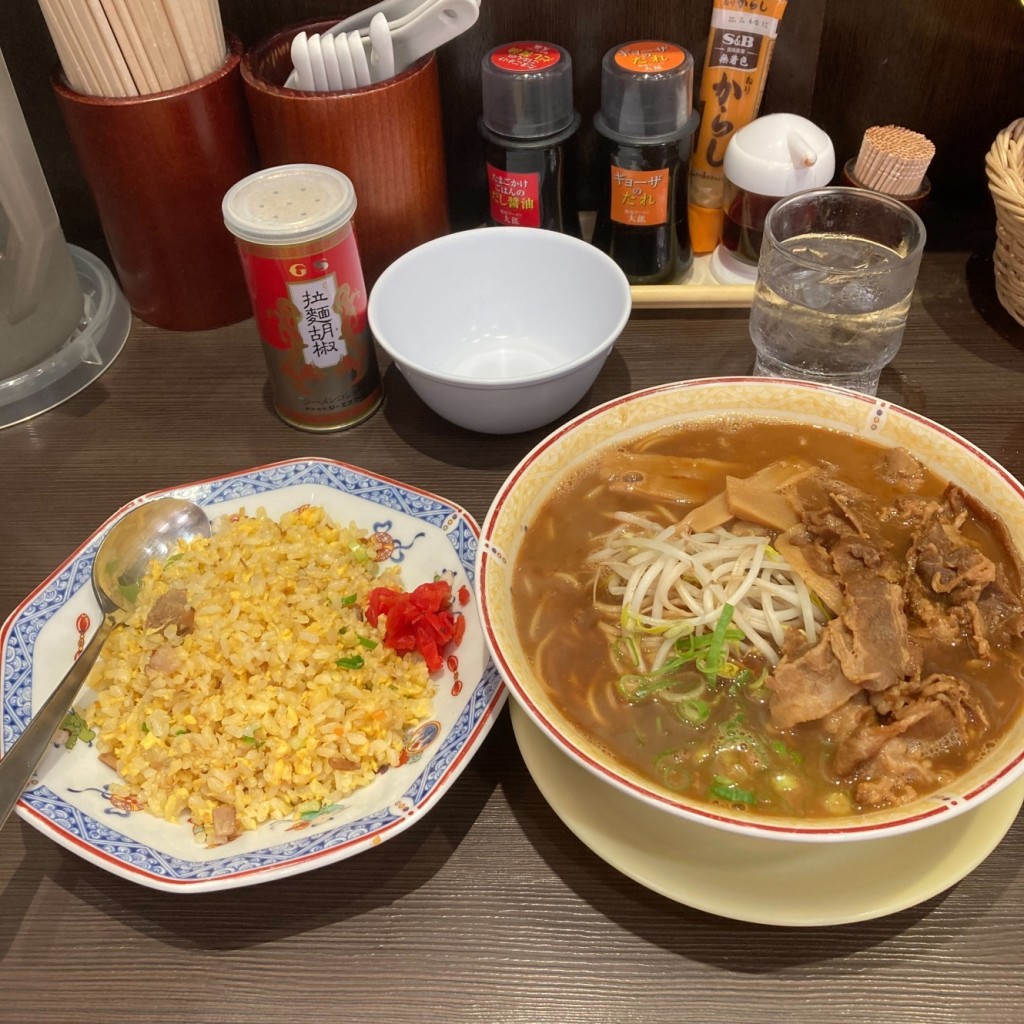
(772, 157)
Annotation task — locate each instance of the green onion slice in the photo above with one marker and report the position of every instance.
(715, 656)
(725, 789)
(693, 710)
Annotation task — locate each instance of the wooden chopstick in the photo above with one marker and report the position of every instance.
(161, 39)
(219, 39)
(180, 17)
(213, 32)
(72, 57)
(122, 48)
(81, 25)
(135, 54)
(111, 48)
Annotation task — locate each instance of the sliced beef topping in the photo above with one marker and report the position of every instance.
(795, 643)
(810, 686)
(905, 729)
(889, 758)
(927, 616)
(852, 555)
(899, 468)
(864, 677)
(811, 498)
(870, 639)
(896, 775)
(863, 744)
(972, 626)
(842, 520)
(901, 700)
(1001, 610)
(958, 697)
(912, 510)
(954, 587)
(959, 501)
(825, 526)
(949, 565)
(855, 508)
(866, 647)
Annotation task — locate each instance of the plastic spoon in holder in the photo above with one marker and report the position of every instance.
(302, 76)
(437, 24)
(424, 27)
(340, 46)
(382, 54)
(309, 67)
(393, 10)
(335, 82)
(316, 60)
(395, 19)
(359, 61)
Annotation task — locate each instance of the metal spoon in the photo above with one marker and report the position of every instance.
(150, 531)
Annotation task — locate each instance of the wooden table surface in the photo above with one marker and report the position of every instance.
(489, 909)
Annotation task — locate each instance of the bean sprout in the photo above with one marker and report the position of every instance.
(659, 584)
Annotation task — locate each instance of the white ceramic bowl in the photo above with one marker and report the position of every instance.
(574, 443)
(500, 329)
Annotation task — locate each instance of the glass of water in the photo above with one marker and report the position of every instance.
(834, 280)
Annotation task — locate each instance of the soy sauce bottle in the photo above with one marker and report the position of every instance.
(527, 125)
(646, 121)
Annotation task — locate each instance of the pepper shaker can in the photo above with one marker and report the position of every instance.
(295, 237)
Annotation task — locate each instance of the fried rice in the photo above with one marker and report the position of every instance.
(269, 695)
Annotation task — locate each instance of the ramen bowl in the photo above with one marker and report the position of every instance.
(502, 329)
(549, 467)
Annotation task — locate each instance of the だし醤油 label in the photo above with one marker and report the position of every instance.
(514, 197)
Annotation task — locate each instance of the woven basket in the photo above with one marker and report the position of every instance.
(1005, 167)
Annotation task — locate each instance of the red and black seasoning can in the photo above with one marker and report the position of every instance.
(293, 228)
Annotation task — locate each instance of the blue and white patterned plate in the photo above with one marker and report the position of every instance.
(69, 798)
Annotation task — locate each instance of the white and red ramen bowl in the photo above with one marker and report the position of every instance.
(552, 462)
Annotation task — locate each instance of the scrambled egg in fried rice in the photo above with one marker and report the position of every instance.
(266, 694)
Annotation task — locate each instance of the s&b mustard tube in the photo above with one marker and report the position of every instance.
(740, 46)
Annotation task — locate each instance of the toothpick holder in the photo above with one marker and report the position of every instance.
(917, 202)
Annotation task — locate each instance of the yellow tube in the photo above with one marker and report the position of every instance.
(739, 51)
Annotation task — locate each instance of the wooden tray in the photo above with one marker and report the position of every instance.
(698, 290)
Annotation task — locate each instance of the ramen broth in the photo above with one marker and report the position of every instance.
(709, 737)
